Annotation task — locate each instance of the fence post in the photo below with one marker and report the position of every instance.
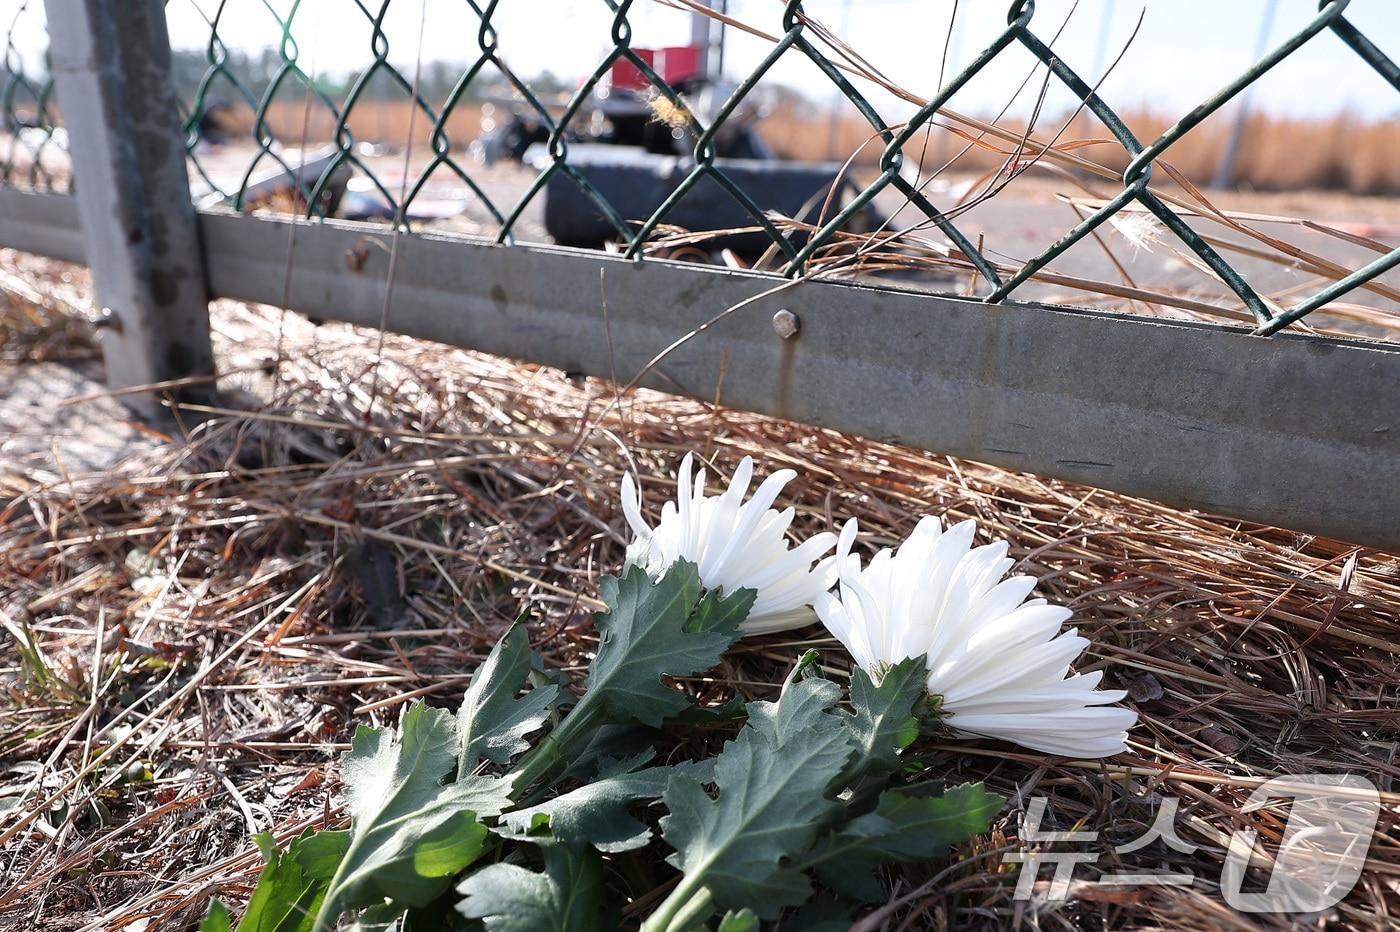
(112, 72)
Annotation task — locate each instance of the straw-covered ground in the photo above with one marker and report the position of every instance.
(191, 637)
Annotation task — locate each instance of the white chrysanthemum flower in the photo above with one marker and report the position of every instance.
(736, 544)
(997, 662)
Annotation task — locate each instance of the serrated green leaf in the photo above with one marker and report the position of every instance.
(492, 723)
(742, 921)
(904, 827)
(618, 766)
(410, 832)
(772, 781)
(610, 750)
(286, 896)
(597, 813)
(217, 919)
(648, 635)
(383, 918)
(803, 702)
(884, 722)
(567, 897)
(722, 614)
(726, 712)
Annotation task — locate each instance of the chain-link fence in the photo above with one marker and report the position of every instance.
(31, 141)
(287, 93)
(799, 37)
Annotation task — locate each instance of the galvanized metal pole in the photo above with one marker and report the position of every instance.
(112, 72)
(717, 72)
(701, 30)
(833, 129)
(1226, 169)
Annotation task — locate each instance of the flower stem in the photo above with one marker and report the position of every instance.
(682, 910)
(330, 910)
(550, 751)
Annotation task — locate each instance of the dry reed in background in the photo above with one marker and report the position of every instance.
(1344, 153)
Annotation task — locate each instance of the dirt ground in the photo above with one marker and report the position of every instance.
(57, 418)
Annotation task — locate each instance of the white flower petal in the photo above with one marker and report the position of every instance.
(632, 508)
(998, 661)
(737, 544)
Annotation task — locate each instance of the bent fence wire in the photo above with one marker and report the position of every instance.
(30, 121)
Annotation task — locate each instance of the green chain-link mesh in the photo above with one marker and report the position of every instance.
(793, 41)
(28, 119)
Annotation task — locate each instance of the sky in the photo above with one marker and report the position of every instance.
(1183, 51)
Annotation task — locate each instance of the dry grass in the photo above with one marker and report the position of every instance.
(1342, 153)
(919, 252)
(370, 120)
(194, 635)
(42, 316)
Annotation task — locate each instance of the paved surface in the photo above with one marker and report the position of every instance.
(41, 438)
(1031, 214)
(1016, 224)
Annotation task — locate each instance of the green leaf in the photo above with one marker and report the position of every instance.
(611, 750)
(597, 813)
(825, 912)
(438, 916)
(906, 826)
(217, 919)
(492, 723)
(731, 710)
(567, 897)
(742, 921)
(804, 701)
(287, 894)
(772, 781)
(656, 629)
(885, 722)
(319, 854)
(722, 614)
(410, 832)
(385, 917)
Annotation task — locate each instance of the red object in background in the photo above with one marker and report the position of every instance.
(673, 63)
